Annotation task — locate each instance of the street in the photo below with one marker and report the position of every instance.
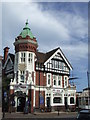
(43, 116)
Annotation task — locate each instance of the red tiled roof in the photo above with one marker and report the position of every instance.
(42, 57)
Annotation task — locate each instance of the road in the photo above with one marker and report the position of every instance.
(43, 116)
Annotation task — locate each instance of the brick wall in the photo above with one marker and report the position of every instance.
(42, 78)
(11, 91)
(62, 81)
(42, 93)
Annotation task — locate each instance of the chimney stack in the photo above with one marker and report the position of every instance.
(6, 49)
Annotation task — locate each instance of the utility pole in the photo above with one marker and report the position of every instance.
(88, 90)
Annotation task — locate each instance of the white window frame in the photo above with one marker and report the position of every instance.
(60, 79)
(65, 81)
(30, 57)
(54, 79)
(48, 74)
(23, 57)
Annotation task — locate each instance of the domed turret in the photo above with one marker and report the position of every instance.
(25, 41)
(26, 31)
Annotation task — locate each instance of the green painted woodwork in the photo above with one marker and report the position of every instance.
(26, 31)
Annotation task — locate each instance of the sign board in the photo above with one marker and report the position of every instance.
(5, 94)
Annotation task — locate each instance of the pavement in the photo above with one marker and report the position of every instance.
(0, 113)
(38, 115)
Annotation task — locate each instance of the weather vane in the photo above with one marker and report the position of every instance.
(26, 21)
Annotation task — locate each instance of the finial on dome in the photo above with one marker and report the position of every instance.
(26, 21)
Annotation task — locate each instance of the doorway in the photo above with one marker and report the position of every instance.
(66, 105)
(48, 102)
(21, 104)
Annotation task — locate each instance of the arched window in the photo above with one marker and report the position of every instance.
(71, 100)
(54, 82)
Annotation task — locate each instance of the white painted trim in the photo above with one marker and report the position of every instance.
(8, 57)
(62, 57)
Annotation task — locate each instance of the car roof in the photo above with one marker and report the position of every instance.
(85, 111)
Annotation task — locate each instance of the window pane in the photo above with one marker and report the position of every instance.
(24, 54)
(57, 100)
(59, 82)
(71, 100)
(54, 82)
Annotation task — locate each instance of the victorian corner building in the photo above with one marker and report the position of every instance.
(39, 80)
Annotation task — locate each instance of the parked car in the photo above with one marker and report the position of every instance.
(84, 115)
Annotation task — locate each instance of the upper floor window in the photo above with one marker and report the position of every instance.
(54, 82)
(57, 64)
(65, 81)
(54, 79)
(30, 57)
(59, 80)
(48, 79)
(23, 55)
(62, 66)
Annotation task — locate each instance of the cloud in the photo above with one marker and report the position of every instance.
(53, 27)
(45, 0)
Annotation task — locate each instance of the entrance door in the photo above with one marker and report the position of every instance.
(48, 102)
(66, 105)
(21, 104)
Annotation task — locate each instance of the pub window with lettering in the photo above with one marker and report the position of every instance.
(71, 100)
(57, 100)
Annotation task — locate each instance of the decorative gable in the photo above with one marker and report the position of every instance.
(58, 56)
(53, 61)
(9, 63)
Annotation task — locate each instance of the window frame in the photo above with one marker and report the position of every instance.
(23, 55)
(71, 100)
